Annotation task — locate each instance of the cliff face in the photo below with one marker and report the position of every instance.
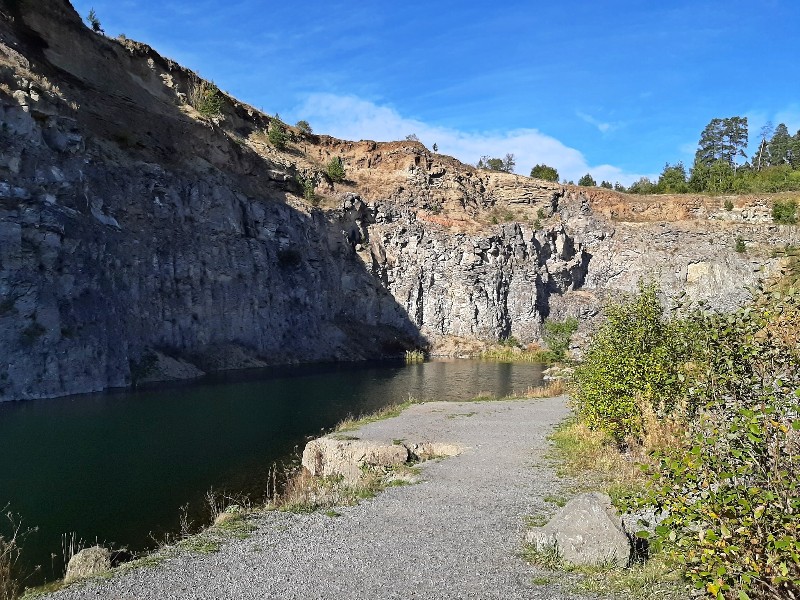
(139, 239)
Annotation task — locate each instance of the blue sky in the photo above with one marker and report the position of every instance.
(616, 88)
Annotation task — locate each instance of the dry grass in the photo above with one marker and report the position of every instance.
(305, 493)
(594, 458)
(555, 387)
(500, 353)
(10, 577)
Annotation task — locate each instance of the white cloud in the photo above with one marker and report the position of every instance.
(352, 118)
(602, 127)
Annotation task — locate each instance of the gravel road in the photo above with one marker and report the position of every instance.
(456, 534)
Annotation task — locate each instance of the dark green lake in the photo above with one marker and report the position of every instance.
(116, 467)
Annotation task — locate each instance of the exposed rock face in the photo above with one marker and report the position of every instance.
(586, 531)
(142, 241)
(88, 563)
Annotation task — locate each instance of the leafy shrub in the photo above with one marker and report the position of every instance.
(740, 245)
(731, 489)
(335, 169)
(304, 127)
(785, 212)
(633, 362)
(728, 204)
(557, 335)
(205, 97)
(546, 172)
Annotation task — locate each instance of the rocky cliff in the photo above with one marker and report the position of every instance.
(140, 239)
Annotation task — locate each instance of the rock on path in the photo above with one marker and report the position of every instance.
(457, 534)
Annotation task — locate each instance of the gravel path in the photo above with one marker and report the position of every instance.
(454, 535)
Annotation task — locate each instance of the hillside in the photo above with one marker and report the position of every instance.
(140, 239)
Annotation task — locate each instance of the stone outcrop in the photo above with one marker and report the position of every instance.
(140, 240)
(350, 458)
(88, 563)
(586, 531)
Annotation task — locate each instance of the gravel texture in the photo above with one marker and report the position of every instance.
(456, 534)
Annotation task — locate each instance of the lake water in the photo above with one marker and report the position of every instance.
(117, 467)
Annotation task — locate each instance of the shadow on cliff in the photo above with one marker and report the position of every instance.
(158, 237)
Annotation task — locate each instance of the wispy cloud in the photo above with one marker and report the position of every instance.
(602, 126)
(350, 117)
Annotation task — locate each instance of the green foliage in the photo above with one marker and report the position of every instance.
(94, 21)
(335, 170)
(304, 127)
(673, 180)
(505, 165)
(722, 140)
(277, 134)
(308, 190)
(731, 489)
(643, 186)
(633, 363)
(606, 184)
(785, 211)
(205, 97)
(728, 204)
(557, 336)
(740, 245)
(587, 180)
(545, 172)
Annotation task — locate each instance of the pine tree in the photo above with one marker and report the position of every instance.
(780, 146)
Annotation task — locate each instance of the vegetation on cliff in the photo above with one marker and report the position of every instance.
(715, 398)
(721, 164)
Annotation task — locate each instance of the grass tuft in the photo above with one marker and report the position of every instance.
(388, 412)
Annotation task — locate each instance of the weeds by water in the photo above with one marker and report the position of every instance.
(11, 578)
(388, 412)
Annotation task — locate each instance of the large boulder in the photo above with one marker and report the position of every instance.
(87, 563)
(327, 456)
(586, 531)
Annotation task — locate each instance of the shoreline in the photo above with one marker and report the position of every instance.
(485, 493)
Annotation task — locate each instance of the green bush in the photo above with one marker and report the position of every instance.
(731, 488)
(335, 169)
(277, 134)
(308, 190)
(785, 212)
(740, 245)
(205, 97)
(728, 204)
(304, 127)
(557, 336)
(633, 362)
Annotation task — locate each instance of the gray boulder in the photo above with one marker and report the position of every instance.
(586, 531)
(87, 563)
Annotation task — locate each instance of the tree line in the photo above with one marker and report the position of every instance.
(721, 164)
